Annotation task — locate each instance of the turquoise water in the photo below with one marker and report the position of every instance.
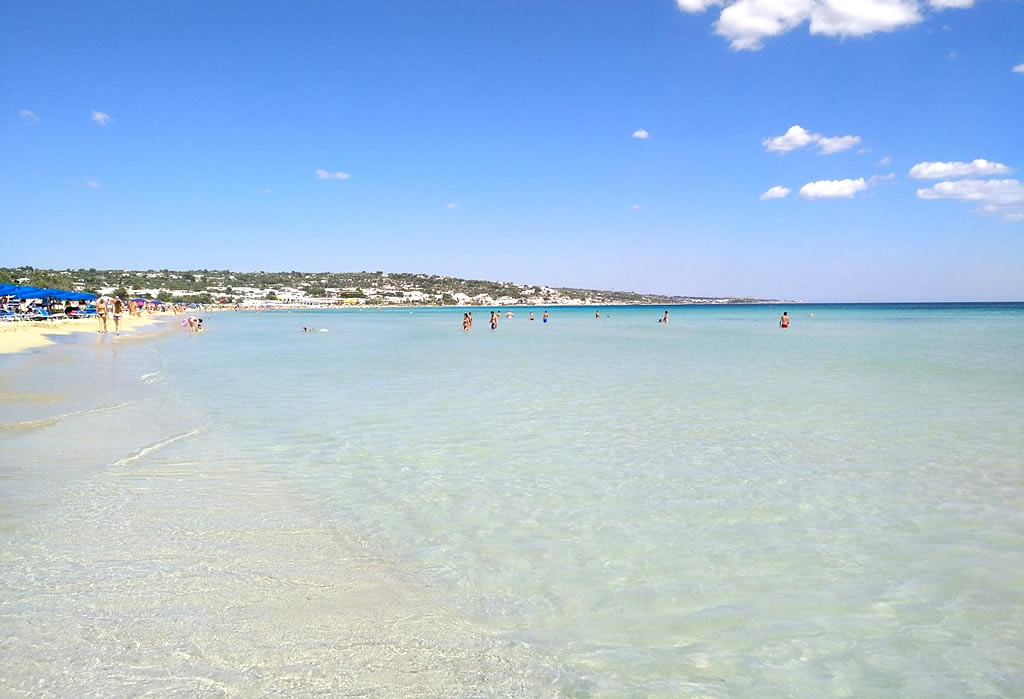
(601, 507)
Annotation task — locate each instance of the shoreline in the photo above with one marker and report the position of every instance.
(21, 336)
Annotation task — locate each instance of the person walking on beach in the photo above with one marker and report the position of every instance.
(118, 312)
(784, 320)
(101, 315)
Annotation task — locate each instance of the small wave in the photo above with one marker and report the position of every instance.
(26, 425)
(153, 447)
(152, 377)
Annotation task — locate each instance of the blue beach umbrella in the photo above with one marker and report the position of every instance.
(29, 292)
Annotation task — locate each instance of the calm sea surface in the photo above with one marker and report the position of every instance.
(587, 507)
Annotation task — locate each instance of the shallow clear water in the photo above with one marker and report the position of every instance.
(608, 507)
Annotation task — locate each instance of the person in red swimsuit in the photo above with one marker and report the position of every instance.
(784, 320)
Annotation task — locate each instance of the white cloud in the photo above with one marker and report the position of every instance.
(939, 170)
(833, 189)
(100, 118)
(836, 144)
(798, 137)
(995, 197)
(746, 23)
(776, 192)
(884, 161)
(879, 179)
(452, 205)
(92, 184)
(1019, 68)
(696, 5)
(862, 17)
(28, 116)
(640, 133)
(325, 175)
(947, 4)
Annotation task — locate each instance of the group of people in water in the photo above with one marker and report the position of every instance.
(467, 319)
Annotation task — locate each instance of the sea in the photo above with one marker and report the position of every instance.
(593, 506)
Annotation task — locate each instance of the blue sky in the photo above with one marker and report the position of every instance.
(503, 140)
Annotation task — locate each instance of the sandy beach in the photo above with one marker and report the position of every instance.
(20, 336)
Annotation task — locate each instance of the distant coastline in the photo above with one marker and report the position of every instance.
(340, 289)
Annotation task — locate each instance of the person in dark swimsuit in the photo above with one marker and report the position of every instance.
(118, 311)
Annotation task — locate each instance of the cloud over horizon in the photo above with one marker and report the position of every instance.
(942, 170)
(1003, 198)
(833, 189)
(327, 175)
(776, 192)
(798, 137)
(746, 23)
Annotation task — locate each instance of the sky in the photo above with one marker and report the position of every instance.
(821, 150)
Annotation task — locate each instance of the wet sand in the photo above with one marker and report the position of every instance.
(19, 336)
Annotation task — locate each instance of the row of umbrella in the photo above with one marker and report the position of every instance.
(35, 292)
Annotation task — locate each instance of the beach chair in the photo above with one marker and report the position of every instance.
(43, 314)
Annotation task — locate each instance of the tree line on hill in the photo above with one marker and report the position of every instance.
(206, 286)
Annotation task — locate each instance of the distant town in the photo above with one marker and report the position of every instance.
(330, 289)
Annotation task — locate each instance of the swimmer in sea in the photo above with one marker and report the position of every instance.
(784, 320)
(494, 320)
(465, 322)
(665, 319)
(597, 314)
(545, 317)
(531, 315)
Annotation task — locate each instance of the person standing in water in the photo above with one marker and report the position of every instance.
(494, 320)
(597, 314)
(531, 315)
(101, 315)
(545, 317)
(784, 320)
(118, 311)
(665, 319)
